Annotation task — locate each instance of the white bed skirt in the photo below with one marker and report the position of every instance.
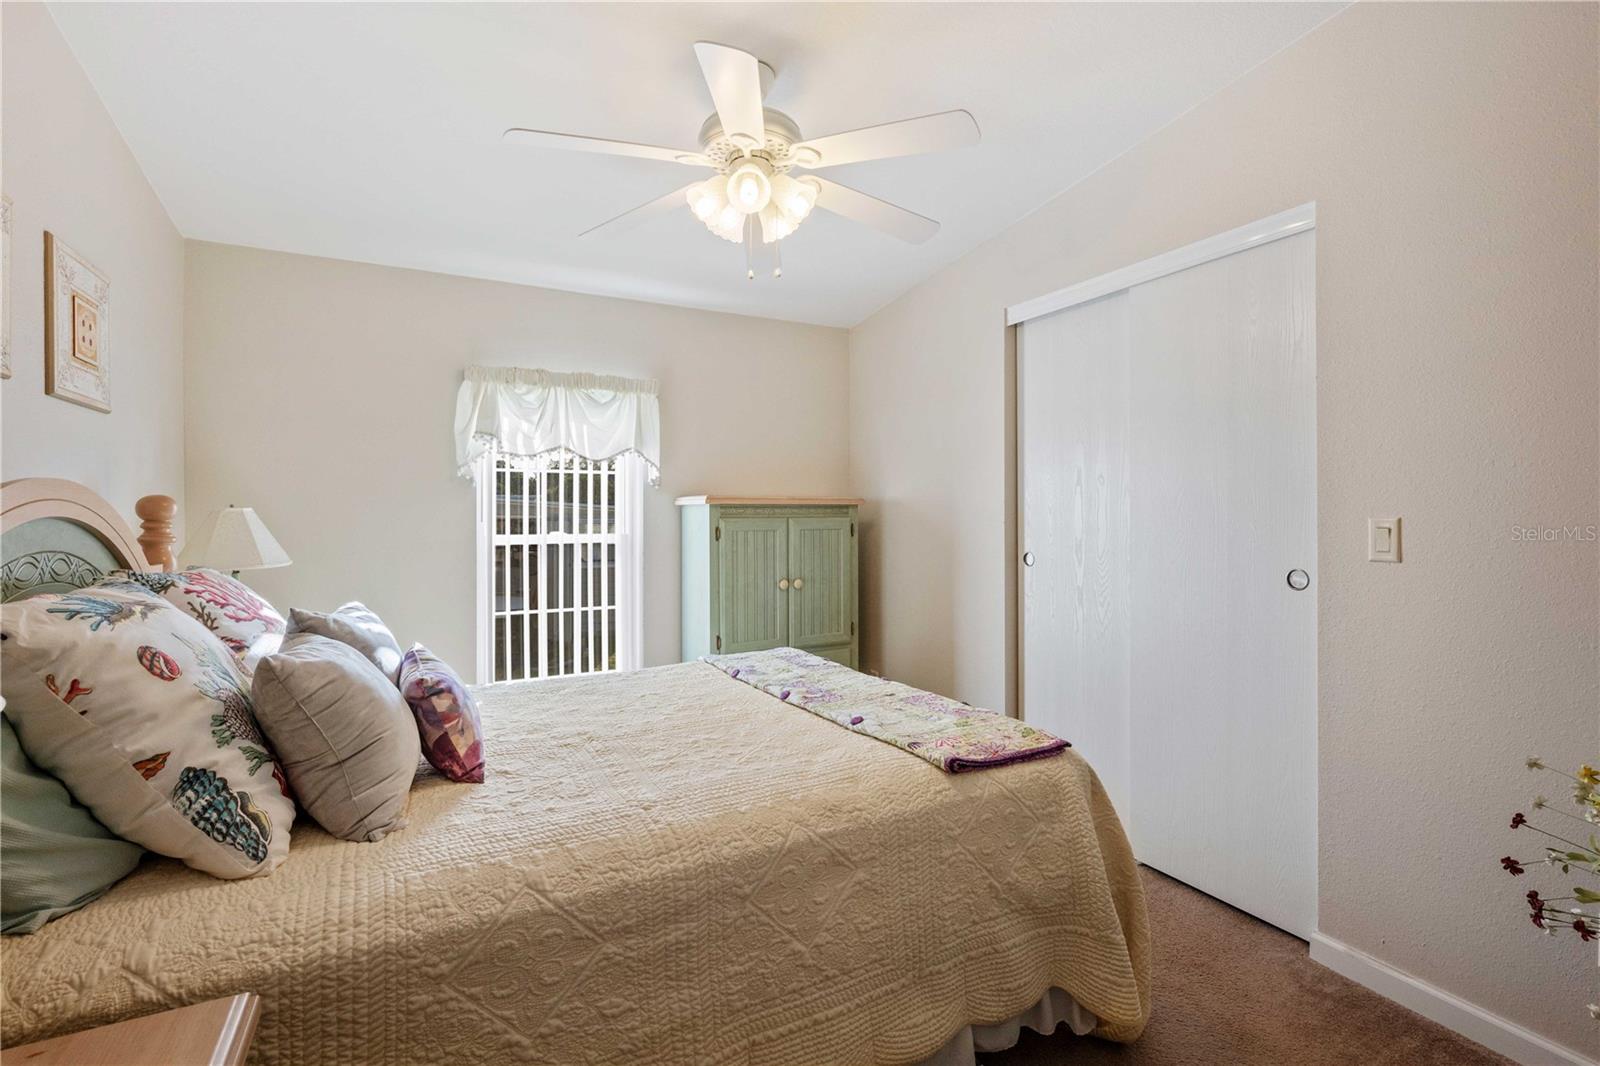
(1043, 1017)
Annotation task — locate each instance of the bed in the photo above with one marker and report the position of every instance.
(663, 866)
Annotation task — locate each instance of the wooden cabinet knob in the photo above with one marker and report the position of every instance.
(783, 584)
(798, 584)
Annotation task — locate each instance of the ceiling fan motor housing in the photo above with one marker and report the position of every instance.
(782, 134)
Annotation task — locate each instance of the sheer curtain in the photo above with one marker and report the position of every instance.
(534, 414)
(539, 420)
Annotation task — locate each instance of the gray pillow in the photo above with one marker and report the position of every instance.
(355, 625)
(343, 734)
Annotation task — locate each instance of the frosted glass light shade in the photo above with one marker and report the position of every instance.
(234, 538)
(750, 186)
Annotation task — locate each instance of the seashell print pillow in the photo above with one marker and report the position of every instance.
(142, 713)
(447, 718)
(247, 625)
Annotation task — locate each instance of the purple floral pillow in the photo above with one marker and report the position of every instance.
(452, 736)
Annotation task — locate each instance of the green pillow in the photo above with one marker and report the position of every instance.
(54, 857)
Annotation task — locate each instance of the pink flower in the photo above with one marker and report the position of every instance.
(1518, 820)
(1512, 866)
(1581, 927)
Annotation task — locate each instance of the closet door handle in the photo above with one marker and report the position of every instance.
(798, 584)
(783, 584)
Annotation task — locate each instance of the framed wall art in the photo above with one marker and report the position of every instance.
(77, 328)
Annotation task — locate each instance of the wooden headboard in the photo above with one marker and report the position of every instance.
(57, 535)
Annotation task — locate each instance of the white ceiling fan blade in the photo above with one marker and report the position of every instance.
(663, 205)
(911, 136)
(571, 142)
(879, 214)
(734, 78)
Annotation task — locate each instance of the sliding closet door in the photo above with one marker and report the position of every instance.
(1222, 432)
(1072, 410)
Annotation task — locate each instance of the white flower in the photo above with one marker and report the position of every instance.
(1540, 803)
(1594, 1011)
(1535, 763)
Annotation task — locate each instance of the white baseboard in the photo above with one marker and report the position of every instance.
(1435, 1004)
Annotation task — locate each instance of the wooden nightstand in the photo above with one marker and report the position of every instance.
(217, 1033)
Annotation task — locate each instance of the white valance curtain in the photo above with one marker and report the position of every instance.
(537, 414)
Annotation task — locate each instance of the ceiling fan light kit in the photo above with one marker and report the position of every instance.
(752, 198)
(781, 203)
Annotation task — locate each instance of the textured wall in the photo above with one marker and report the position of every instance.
(1451, 150)
(322, 393)
(67, 170)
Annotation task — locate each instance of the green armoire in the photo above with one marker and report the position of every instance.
(766, 572)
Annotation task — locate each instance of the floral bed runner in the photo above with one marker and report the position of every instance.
(948, 733)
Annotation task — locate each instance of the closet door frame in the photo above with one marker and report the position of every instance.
(1264, 231)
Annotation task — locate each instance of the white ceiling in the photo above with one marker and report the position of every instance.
(371, 131)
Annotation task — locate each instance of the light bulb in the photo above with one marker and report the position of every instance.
(728, 229)
(704, 201)
(749, 187)
(803, 198)
(793, 197)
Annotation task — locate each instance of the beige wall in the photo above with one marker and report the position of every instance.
(322, 393)
(67, 170)
(1451, 151)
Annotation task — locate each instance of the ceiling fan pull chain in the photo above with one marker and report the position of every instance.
(750, 247)
(777, 259)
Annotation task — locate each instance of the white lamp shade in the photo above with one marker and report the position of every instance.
(234, 538)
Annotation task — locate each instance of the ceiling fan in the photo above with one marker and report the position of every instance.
(753, 198)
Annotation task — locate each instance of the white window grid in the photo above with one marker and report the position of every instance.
(553, 541)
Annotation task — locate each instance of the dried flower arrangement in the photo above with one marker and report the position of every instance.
(1577, 911)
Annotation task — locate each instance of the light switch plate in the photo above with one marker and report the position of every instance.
(1383, 540)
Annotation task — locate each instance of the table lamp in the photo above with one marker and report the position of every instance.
(234, 539)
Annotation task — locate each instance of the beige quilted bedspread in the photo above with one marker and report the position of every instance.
(665, 866)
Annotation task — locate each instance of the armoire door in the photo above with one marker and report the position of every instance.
(1222, 428)
(752, 561)
(821, 583)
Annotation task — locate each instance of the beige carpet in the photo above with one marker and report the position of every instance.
(1230, 989)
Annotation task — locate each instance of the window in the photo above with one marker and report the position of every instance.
(558, 566)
